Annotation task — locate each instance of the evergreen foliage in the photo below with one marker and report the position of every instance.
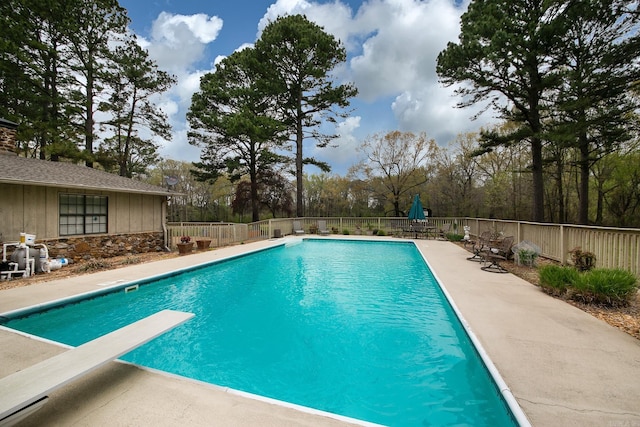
(235, 120)
(299, 57)
(560, 71)
(56, 60)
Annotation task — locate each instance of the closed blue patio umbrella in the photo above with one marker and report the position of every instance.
(416, 212)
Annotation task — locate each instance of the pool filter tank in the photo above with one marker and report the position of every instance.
(28, 258)
(19, 256)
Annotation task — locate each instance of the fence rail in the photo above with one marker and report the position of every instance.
(613, 247)
(220, 233)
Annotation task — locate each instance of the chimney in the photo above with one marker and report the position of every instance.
(8, 137)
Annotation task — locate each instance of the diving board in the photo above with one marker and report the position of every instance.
(30, 386)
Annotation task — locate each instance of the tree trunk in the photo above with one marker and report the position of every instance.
(253, 175)
(600, 203)
(559, 183)
(88, 120)
(538, 180)
(299, 158)
(583, 196)
(536, 142)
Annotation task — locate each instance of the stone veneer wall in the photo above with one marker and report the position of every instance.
(104, 246)
(7, 140)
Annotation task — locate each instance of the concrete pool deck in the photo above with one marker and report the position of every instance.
(563, 366)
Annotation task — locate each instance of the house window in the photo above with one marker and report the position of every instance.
(81, 214)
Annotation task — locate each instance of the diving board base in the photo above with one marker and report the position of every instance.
(25, 391)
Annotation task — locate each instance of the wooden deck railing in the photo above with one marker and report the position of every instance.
(613, 247)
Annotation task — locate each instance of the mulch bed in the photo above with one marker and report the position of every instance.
(87, 266)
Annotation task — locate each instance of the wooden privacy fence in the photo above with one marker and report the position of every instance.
(613, 247)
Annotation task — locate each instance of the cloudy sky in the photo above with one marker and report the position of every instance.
(392, 46)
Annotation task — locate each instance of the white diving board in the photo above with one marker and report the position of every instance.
(29, 387)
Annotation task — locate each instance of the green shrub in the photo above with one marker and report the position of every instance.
(345, 231)
(454, 237)
(526, 257)
(555, 279)
(582, 260)
(612, 287)
(381, 233)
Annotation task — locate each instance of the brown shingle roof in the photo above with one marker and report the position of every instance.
(25, 171)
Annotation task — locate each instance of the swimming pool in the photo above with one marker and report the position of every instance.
(355, 328)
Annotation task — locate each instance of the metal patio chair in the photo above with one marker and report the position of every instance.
(495, 255)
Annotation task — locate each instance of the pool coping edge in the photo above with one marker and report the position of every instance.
(502, 386)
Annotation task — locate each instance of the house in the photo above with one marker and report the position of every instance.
(79, 212)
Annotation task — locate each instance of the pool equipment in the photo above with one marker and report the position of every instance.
(27, 258)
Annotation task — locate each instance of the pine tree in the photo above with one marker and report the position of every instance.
(503, 58)
(134, 81)
(597, 68)
(233, 118)
(97, 23)
(299, 57)
(35, 76)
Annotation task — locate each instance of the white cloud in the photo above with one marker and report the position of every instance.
(178, 43)
(401, 40)
(393, 47)
(342, 151)
(335, 18)
(406, 38)
(201, 26)
(179, 148)
(433, 109)
(190, 84)
(169, 107)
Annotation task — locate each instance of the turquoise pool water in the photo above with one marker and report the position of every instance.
(359, 329)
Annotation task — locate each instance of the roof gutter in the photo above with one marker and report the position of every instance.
(86, 187)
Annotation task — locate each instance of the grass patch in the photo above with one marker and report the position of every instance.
(555, 279)
(603, 286)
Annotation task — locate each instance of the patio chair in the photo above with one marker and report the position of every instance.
(297, 228)
(495, 255)
(407, 229)
(479, 245)
(418, 228)
(322, 228)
